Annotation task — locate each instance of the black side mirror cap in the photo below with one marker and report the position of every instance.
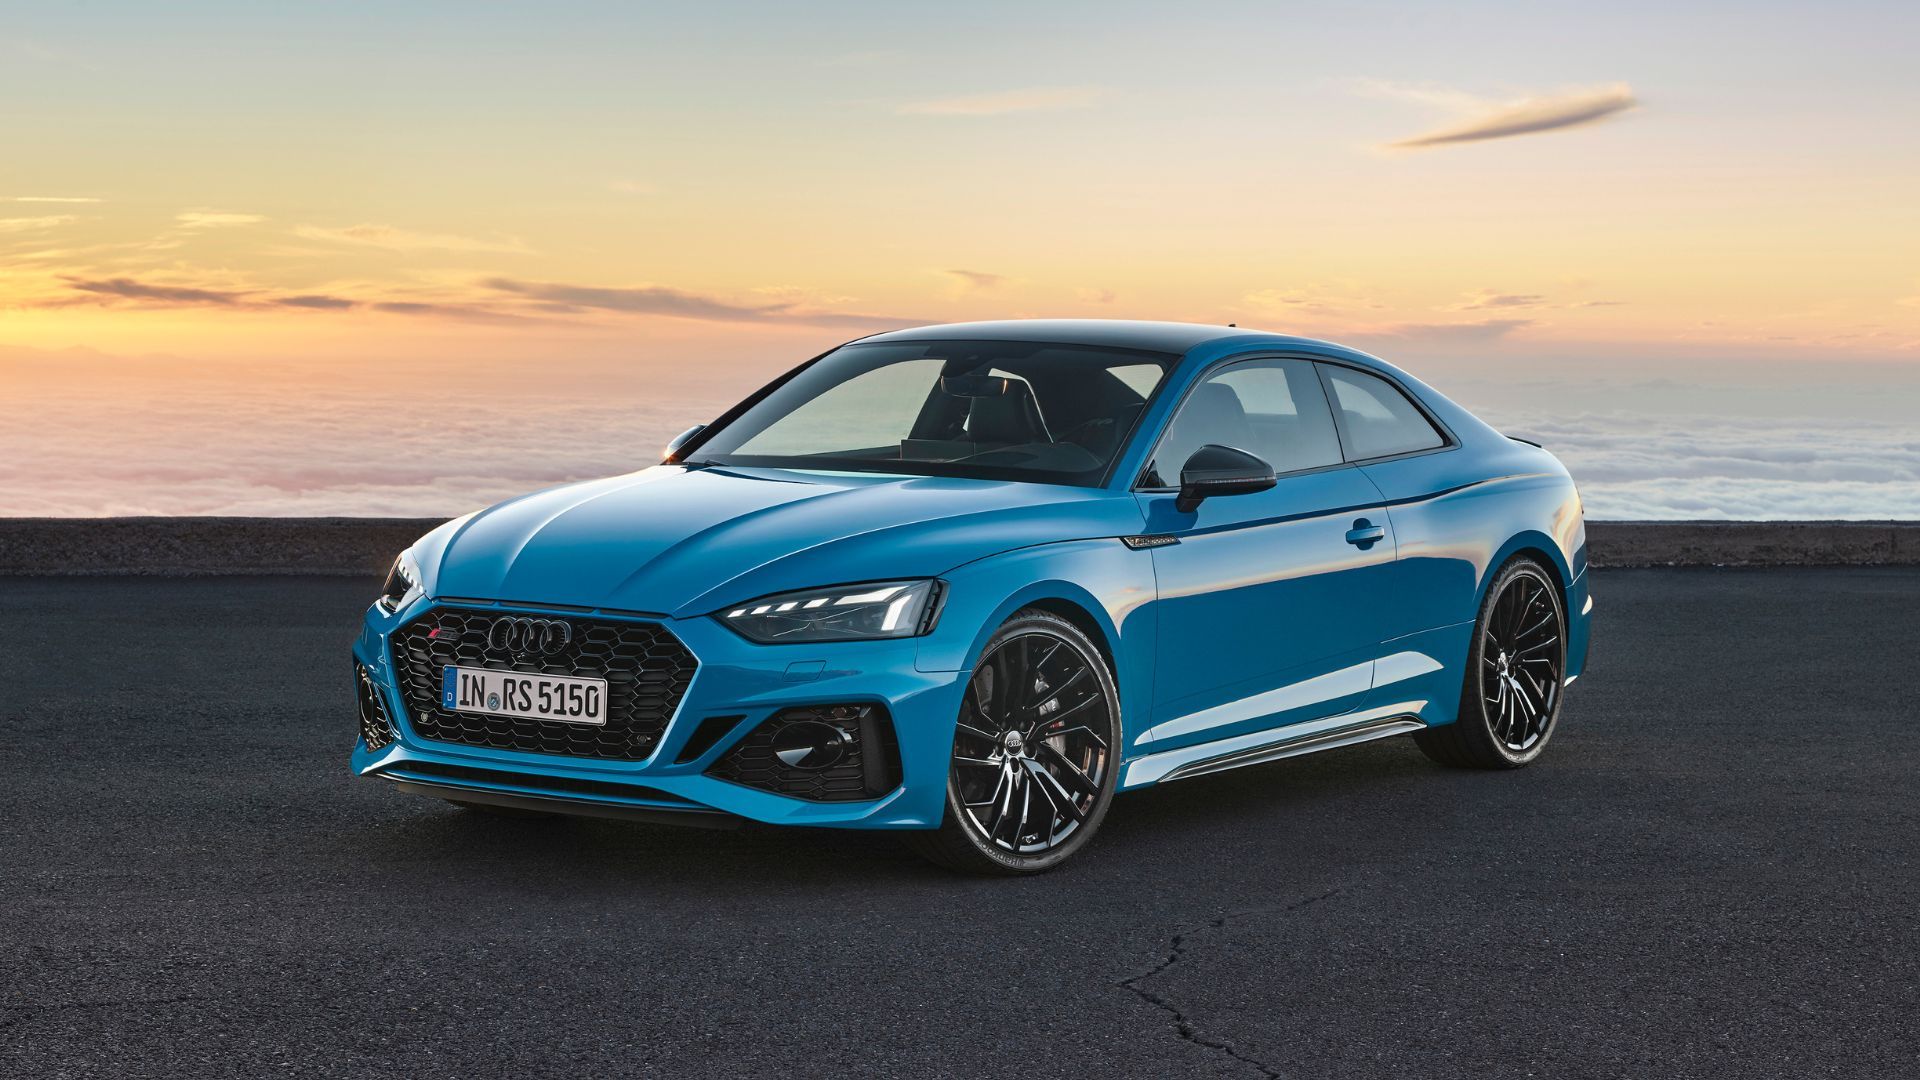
(1220, 470)
(674, 444)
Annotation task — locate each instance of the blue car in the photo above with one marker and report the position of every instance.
(969, 582)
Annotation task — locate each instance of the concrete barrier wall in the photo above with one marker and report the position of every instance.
(364, 546)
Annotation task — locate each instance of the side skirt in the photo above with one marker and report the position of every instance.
(1307, 738)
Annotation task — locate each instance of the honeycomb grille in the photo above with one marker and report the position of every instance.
(647, 670)
(868, 768)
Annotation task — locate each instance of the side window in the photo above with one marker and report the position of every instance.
(1273, 409)
(1378, 418)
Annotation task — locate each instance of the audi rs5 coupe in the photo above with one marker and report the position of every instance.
(970, 582)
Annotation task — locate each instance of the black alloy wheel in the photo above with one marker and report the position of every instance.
(1516, 668)
(1035, 752)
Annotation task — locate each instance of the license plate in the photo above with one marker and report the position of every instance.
(562, 698)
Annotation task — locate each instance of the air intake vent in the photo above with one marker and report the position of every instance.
(710, 731)
(376, 730)
(823, 753)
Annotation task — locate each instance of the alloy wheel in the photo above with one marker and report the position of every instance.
(1032, 749)
(1520, 657)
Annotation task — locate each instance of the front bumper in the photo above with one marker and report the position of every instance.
(735, 678)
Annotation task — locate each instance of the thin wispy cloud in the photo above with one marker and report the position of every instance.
(388, 238)
(1480, 119)
(29, 224)
(679, 304)
(316, 301)
(1000, 103)
(54, 199)
(1488, 299)
(1343, 299)
(125, 288)
(505, 300)
(1483, 330)
(215, 219)
(976, 280)
(138, 293)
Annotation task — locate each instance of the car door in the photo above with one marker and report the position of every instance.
(1395, 444)
(1269, 604)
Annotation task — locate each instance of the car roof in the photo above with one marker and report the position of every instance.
(1166, 337)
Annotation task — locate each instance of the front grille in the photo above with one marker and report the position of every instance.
(376, 730)
(866, 764)
(647, 671)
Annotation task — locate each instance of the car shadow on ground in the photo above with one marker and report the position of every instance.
(1271, 803)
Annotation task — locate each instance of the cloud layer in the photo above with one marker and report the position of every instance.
(94, 435)
(497, 298)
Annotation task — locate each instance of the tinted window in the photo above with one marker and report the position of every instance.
(1379, 419)
(1273, 409)
(991, 409)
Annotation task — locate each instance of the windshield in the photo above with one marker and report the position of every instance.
(993, 409)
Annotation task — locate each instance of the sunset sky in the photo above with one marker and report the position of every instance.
(270, 200)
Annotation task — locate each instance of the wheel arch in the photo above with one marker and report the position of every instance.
(1062, 598)
(1072, 602)
(1541, 548)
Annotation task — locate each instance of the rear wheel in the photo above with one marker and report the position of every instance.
(1515, 671)
(1035, 752)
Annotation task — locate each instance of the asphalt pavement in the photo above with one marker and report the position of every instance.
(1711, 873)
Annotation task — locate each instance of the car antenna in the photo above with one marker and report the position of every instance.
(1235, 325)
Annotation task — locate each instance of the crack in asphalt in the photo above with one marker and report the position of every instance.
(1184, 1025)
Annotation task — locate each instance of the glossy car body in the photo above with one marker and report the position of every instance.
(1333, 607)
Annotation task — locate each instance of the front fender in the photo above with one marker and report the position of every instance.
(1110, 583)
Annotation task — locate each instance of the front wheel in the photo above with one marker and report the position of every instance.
(1515, 671)
(1034, 752)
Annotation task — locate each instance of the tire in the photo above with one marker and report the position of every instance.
(1055, 693)
(1510, 700)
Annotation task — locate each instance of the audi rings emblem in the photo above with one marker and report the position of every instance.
(528, 637)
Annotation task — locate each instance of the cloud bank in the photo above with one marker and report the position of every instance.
(92, 435)
(1634, 467)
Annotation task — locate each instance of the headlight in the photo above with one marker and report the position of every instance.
(403, 580)
(887, 609)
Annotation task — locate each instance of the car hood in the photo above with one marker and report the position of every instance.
(686, 541)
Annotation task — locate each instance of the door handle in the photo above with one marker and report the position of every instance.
(1365, 534)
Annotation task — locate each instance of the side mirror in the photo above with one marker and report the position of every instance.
(674, 444)
(1220, 470)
